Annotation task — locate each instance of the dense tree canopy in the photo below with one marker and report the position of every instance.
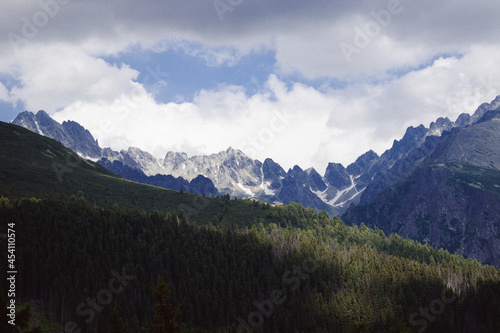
(295, 270)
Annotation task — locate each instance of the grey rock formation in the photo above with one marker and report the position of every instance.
(483, 108)
(70, 133)
(337, 176)
(446, 192)
(200, 184)
(232, 172)
(447, 205)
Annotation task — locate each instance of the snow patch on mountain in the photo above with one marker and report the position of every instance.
(39, 129)
(246, 190)
(268, 191)
(340, 197)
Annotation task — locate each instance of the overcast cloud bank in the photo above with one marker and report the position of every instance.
(345, 78)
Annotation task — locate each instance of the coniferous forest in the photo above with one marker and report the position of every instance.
(307, 273)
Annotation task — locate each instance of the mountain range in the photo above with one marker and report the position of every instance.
(231, 171)
(446, 193)
(234, 173)
(85, 235)
(437, 184)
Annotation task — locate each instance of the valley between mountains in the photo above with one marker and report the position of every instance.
(439, 184)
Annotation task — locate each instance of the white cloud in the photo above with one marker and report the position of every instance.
(296, 125)
(268, 124)
(4, 94)
(392, 81)
(382, 42)
(53, 77)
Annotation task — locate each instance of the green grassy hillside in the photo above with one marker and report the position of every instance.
(32, 165)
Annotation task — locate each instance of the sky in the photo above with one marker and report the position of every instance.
(302, 82)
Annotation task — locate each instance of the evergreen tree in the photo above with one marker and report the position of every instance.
(116, 325)
(164, 314)
(4, 325)
(23, 317)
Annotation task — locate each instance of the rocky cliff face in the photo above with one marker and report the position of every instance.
(200, 184)
(234, 173)
(70, 133)
(231, 171)
(447, 205)
(478, 144)
(418, 143)
(483, 108)
(446, 192)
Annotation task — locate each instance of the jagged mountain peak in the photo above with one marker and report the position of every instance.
(311, 171)
(26, 120)
(369, 155)
(35, 122)
(70, 134)
(337, 176)
(295, 169)
(39, 113)
(463, 120)
(490, 115)
(139, 159)
(269, 162)
(24, 114)
(175, 157)
(83, 139)
(439, 126)
(334, 165)
(272, 171)
(134, 150)
(231, 150)
(363, 163)
(483, 108)
(71, 123)
(414, 133)
(139, 153)
(229, 153)
(42, 114)
(477, 144)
